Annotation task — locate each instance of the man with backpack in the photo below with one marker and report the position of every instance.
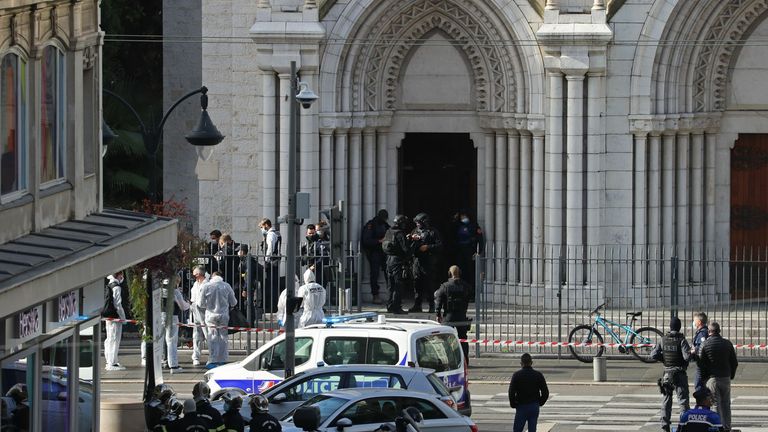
(113, 308)
(399, 251)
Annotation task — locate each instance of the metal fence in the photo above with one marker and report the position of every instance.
(540, 295)
(258, 281)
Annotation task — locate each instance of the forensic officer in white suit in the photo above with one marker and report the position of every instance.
(313, 295)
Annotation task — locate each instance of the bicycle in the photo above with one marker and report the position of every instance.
(585, 334)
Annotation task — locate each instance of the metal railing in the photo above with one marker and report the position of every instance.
(541, 294)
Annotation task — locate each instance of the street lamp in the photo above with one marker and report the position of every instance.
(305, 97)
(204, 136)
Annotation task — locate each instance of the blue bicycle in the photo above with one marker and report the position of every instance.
(590, 342)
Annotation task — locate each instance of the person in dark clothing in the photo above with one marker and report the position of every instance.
(700, 326)
(453, 298)
(675, 352)
(211, 249)
(427, 248)
(158, 406)
(527, 392)
(228, 259)
(469, 242)
(233, 421)
(373, 234)
(209, 415)
(315, 253)
(270, 249)
(171, 417)
(261, 419)
(701, 418)
(399, 251)
(718, 365)
(21, 412)
(191, 421)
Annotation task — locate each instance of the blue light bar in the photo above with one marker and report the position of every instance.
(338, 319)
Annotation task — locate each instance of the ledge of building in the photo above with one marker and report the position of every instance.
(45, 264)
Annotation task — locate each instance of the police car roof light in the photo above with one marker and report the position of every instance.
(338, 319)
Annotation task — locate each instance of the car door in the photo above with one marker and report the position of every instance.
(289, 398)
(367, 414)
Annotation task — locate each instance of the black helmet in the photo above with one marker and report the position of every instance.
(176, 407)
(422, 218)
(164, 392)
(259, 403)
(201, 391)
(400, 221)
(232, 401)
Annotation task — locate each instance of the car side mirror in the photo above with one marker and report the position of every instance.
(343, 423)
(279, 398)
(307, 418)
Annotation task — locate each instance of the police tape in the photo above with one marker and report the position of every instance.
(503, 342)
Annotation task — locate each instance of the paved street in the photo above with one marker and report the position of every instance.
(629, 400)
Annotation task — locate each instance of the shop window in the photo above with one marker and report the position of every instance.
(17, 387)
(54, 393)
(52, 114)
(13, 144)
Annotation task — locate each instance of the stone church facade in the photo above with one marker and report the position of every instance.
(558, 123)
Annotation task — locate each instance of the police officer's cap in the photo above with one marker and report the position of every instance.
(702, 394)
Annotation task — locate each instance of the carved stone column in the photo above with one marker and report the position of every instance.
(269, 172)
(500, 212)
(326, 168)
(369, 174)
(355, 185)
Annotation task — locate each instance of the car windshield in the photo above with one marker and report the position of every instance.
(326, 404)
(438, 385)
(283, 384)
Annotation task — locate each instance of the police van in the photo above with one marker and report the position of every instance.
(355, 339)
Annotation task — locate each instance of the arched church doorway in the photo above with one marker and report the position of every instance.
(749, 216)
(438, 176)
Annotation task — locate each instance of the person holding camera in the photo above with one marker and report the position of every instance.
(675, 352)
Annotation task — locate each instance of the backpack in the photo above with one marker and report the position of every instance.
(109, 310)
(389, 244)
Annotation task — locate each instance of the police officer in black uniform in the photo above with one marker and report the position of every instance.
(675, 352)
(399, 251)
(427, 248)
(452, 300)
(261, 419)
(373, 234)
(209, 415)
(469, 242)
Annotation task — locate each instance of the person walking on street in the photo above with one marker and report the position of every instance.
(313, 300)
(527, 393)
(218, 298)
(718, 367)
(701, 418)
(700, 327)
(199, 333)
(399, 251)
(452, 299)
(114, 309)
(373, 234)
(172, 327)
(271, 250)
(675, 352)
(427, 248)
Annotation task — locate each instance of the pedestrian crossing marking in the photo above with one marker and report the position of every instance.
(608, 427)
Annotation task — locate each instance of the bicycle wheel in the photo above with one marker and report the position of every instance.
(585, 334)
(645, 335)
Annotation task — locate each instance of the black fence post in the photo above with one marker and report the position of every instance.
(674, 286)
(478, 288)
(248, 298)
(561, 281)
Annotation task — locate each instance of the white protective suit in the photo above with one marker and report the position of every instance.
(282, 309)
(314, 299)
(218, 298)
(197, 316)
(114, 329)
(172, 331)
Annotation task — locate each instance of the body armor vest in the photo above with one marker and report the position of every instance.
(673, 352)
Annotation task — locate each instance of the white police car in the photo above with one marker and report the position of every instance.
(355, 339)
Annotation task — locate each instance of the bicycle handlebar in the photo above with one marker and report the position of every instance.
(597, 309)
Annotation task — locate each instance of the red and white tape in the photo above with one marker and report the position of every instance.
(503, 342)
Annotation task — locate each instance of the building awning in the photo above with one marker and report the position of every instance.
(45, 264)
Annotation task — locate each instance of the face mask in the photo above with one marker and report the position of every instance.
(263, 231)
(465, 220)
(319, 233)
(313, 237)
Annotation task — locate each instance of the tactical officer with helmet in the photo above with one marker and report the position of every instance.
(427, 248)
(261, 419)
(675, 352)
(452, 298)
(201, 394)
(399, 251)
(233, 421)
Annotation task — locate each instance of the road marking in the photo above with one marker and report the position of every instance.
(590, 398)
(609, 427)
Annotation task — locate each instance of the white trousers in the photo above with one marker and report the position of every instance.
(218, 352)
(172, 341)
(112, 342)
(198, 333)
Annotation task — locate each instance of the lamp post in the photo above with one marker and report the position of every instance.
(305, 97)
(203, 136)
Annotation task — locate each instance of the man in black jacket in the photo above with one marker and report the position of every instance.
(399, 251)
(718, 365)
(452, 298)
(527, 392)
(700, 326)
(373, 234)
(675, 352)
(428, 245)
